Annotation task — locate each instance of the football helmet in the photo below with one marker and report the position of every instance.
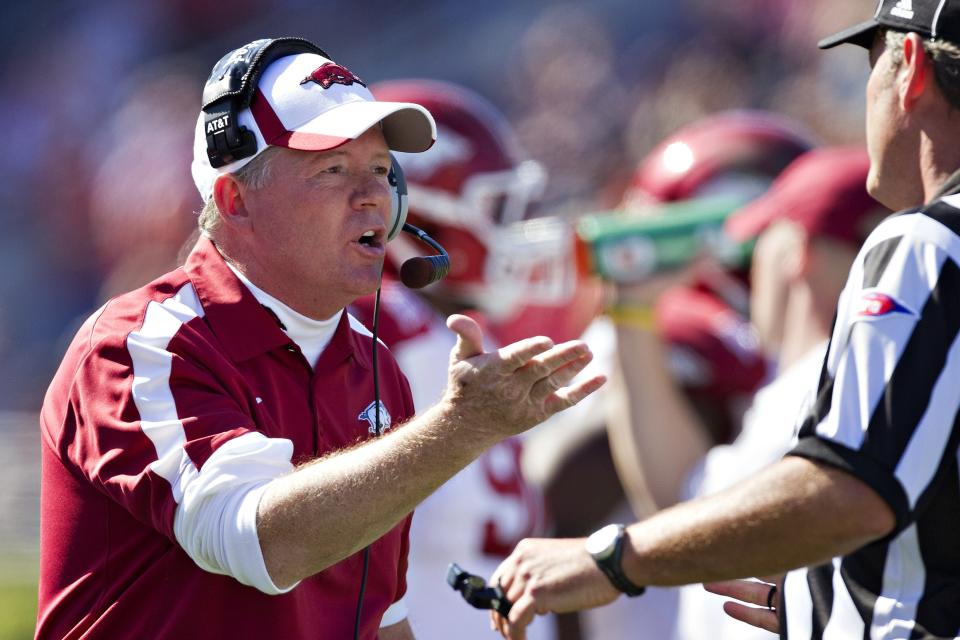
(473, 192)
(730, 153)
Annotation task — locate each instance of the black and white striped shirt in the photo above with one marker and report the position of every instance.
(887, 412)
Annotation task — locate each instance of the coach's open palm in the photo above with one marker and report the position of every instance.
(507, 391)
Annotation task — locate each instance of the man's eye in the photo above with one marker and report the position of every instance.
(381, 171)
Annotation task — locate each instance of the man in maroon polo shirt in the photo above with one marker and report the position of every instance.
(210, 461)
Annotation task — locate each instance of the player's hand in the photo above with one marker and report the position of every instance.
(763, 596)
(647, 291)
(509, 390)
(543, 575)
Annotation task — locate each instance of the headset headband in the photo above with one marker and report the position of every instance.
(230, 89)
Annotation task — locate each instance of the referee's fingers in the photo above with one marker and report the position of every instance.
(749, 591)
(762, 618)
(521, 614)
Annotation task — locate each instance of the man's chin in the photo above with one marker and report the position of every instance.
(367, 285)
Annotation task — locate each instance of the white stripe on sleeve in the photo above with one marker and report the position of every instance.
(216, 516)
(921, 459)
(151, 382)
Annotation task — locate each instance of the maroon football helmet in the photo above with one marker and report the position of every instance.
(731, 153)
(472, 192)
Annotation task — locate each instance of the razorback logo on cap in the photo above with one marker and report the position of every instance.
(876, 305)
(331, 73)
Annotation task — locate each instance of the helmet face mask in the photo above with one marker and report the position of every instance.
(473, 193)
(485, 200)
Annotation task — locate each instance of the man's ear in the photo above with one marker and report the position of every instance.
(915, 74)
(228, 194)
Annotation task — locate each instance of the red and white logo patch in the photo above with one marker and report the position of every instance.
(331, 73)
(874, 304)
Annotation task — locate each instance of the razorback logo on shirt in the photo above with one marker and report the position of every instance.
(370, 415)
(876, 305)
(330, 73)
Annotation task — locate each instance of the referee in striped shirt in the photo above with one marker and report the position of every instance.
(863, 515)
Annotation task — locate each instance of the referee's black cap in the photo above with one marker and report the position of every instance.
(934, 19)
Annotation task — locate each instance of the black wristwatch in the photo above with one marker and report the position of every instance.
(606, 547)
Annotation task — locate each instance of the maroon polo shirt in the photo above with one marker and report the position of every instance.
(152, 385)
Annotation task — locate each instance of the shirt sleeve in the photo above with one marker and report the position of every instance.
(886, 407)
(397, 612)
(163, 436)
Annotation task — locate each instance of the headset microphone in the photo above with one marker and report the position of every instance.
(420, 271)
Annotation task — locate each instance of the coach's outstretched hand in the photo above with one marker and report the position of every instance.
(507, 391)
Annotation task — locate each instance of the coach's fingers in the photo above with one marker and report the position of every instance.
(568, 396)
(541, 365)
(560, 377)
(762, 618)
(522, 353)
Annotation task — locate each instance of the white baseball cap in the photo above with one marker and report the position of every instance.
(308, 102)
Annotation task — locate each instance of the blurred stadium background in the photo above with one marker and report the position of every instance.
(99, 100)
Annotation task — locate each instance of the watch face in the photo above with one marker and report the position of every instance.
(601, 543)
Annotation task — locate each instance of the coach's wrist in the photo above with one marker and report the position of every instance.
(463, 427)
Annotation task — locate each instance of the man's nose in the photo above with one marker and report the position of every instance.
(371, 190)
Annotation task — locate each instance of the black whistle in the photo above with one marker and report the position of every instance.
(475, 591)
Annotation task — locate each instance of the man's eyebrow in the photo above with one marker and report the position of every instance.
(338, 153)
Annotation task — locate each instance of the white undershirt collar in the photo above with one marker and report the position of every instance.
(312, 336)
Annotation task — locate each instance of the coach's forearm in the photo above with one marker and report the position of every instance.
(331, 508)
(795, 513)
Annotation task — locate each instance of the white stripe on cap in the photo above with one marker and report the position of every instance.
(936, 18)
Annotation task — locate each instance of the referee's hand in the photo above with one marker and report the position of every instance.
(758, 601)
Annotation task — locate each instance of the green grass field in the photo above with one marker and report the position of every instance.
(18, 597)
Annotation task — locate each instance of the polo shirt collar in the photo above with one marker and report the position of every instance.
(244, 327)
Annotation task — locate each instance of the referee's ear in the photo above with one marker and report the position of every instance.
(915, 72)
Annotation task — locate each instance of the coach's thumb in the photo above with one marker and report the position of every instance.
(469, 337)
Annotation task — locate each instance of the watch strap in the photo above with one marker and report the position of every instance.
(612, 567)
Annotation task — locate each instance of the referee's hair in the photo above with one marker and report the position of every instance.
(945, 57)
(254, 174)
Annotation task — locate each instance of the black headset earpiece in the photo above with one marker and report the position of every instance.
(398, 198)
(230, 89)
